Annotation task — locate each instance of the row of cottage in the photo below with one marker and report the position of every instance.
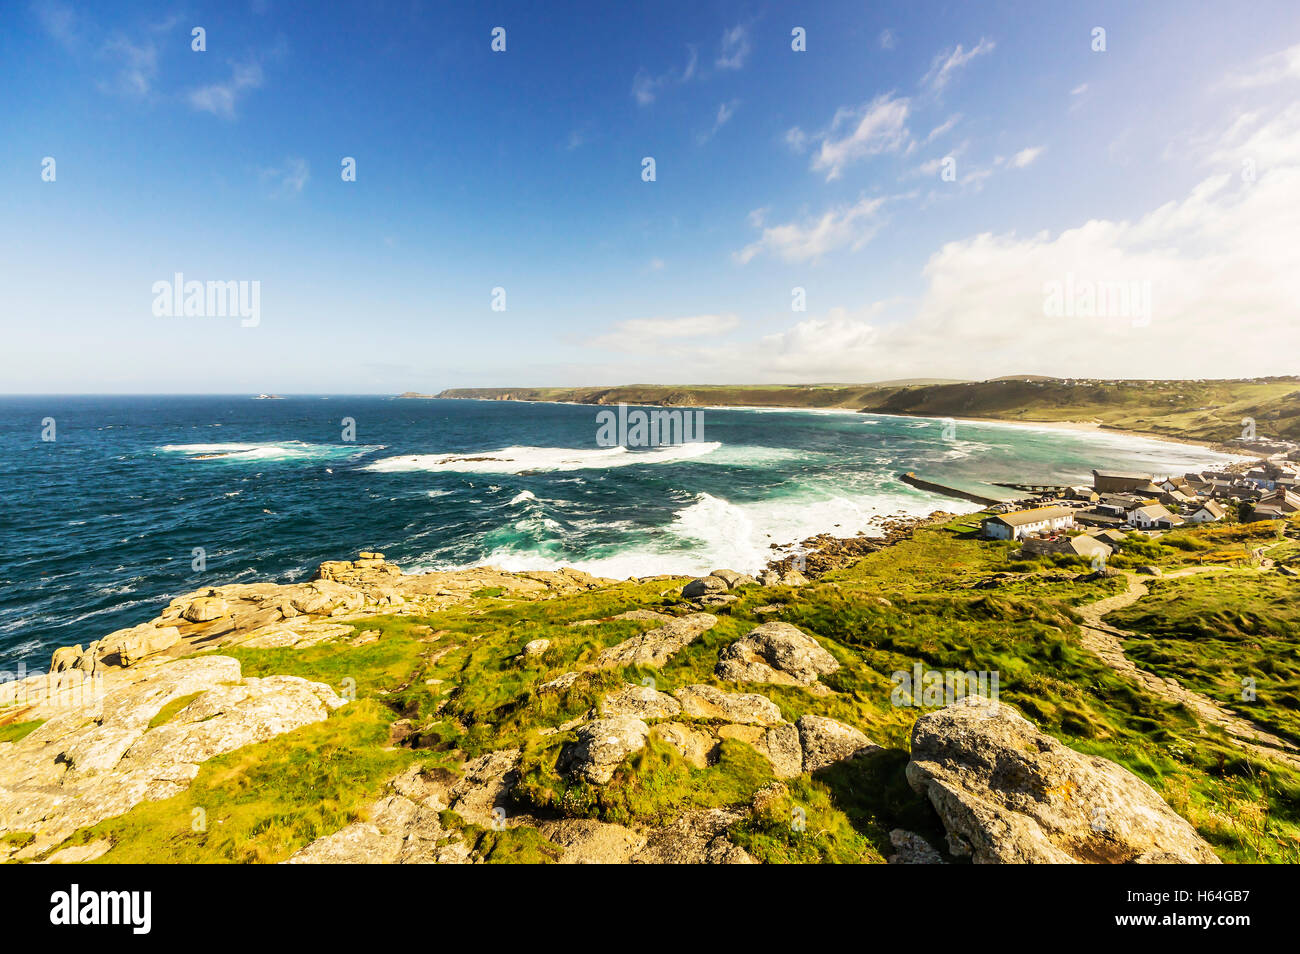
(1119, 502)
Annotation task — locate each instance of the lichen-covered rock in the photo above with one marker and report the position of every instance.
(695, 746)
(695, 837)
(779, 744)
(658, 645)
(775, 653)
(80, 854)
(703, 586)
(709, 702)
(326, 598)
(641, 702)
(602, 746)
(398, 830)
(66, 658)
(561, 683)
(587, 841)
(204, 609)
(911, 849)
(734, 579)
(826, 742)
(1008, 793)
(790, 577)
(485, 787)
(125, 647)
(99, 757)
(535, 647)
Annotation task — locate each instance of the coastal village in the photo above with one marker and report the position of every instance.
(1093, 521)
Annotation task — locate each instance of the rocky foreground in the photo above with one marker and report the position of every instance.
(133, 717)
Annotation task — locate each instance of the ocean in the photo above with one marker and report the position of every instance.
(106, 522)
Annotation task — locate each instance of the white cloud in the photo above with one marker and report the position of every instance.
(725, 112)
(1276, 68)
(888, 39)
(841, 227)
(220, 99)
(1224, 274)
(1026, 156)
(59, 21)
(646, 87)
(135, 65)
(945, 65)
(944, 127)
(1264, 142)
(1079, 90)
(288, 179)
(649, 334)
(856, 133)
(735, 48)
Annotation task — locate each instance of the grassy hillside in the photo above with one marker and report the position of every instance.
(812, 395)
(1201, 410)
(1192, 410)
(457, 682)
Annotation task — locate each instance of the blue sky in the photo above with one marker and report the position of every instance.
(522, 169)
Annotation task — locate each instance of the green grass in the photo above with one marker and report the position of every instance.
(263, 802)
(168, 712)
(652, 787)
(1212, 635)
(15, 731)
(470, 690)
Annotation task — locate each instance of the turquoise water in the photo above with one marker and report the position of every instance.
(100, 525)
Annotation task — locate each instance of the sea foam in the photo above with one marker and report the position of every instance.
(518, 460)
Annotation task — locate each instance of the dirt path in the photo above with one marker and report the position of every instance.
(1107, 642)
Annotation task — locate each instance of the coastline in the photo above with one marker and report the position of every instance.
(1093, 426)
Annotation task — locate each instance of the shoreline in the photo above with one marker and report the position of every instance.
(1086, 426)
(813, 544)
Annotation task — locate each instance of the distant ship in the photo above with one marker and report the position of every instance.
(268, 397)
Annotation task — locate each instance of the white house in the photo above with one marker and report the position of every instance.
(1022, 523)
(1210, 511)
(1152, 517)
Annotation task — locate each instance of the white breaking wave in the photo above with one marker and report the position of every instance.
(272, 451)
(711, 533)
(518, 460)
(522, 496)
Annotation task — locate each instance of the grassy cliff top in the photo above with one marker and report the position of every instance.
(460, 685)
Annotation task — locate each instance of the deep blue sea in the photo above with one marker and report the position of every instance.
(100, 525)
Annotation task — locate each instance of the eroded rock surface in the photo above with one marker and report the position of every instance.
(1008, 793)
(298, 615)
(775, 653)
(98, 756)
(641, 702)
(826, 741)
(601, 746)
(657, 646)
(709, 702)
